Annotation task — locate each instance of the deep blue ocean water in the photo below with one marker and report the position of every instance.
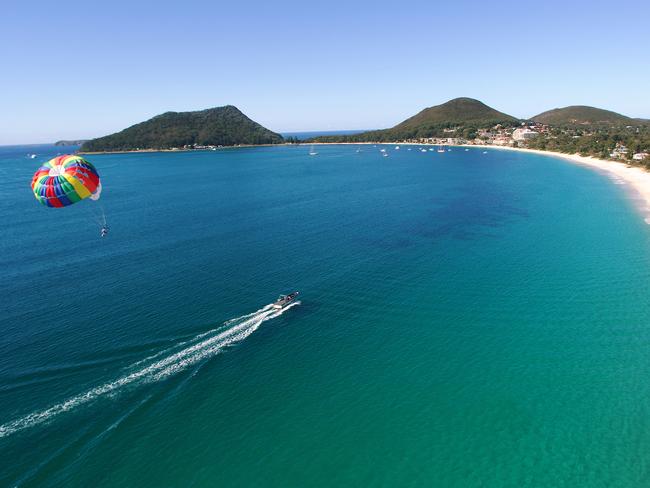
(466, 320)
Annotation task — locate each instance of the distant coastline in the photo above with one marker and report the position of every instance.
(302, 135)
(299, 136)
(573, 129)
(638, 178)
(177, 150)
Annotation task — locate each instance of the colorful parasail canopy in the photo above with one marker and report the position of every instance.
(65, 180)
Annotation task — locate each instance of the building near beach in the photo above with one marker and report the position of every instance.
(502, 140)
(524, 134)
(619, 152)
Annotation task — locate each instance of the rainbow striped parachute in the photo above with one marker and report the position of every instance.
(65, 180)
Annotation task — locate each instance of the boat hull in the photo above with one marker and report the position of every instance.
(285, 300)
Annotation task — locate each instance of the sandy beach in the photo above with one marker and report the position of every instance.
(636, 178)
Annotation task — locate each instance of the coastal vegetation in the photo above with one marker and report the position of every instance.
(219, 126)
(583, 130)
(462, 117)
(75, 142)
(591, 131)
(577, 115)
(614, 142)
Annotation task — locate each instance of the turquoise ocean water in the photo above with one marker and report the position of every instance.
(466, 320)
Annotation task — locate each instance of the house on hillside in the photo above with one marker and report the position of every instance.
(502, 140)
(619, 152)
(524, 134)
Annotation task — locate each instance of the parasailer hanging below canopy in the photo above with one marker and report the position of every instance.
(65, 180)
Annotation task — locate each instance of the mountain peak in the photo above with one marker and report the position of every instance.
(216, 126)
(463, 100)
(458, 111)
(581, 115)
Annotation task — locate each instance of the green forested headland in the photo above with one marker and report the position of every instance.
(465, 115)
(220, 126)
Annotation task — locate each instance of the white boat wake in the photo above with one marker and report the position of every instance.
(202, 346)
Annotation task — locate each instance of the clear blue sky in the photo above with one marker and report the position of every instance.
(86, 69)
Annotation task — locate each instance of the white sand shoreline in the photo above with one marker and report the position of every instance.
(636, 178)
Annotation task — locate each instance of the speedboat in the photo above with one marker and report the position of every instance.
(284, 300)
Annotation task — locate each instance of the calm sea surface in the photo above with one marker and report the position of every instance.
(466, 320)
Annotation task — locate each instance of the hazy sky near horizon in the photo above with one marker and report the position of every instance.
(85, 69)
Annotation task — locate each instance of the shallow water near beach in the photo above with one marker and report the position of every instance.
(465, 320)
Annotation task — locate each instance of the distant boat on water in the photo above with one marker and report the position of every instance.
(397, 148)
(32, 156)
(441, 149)
(312, 151)
(466, 149)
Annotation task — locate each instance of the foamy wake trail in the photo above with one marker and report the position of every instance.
(203, 346)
